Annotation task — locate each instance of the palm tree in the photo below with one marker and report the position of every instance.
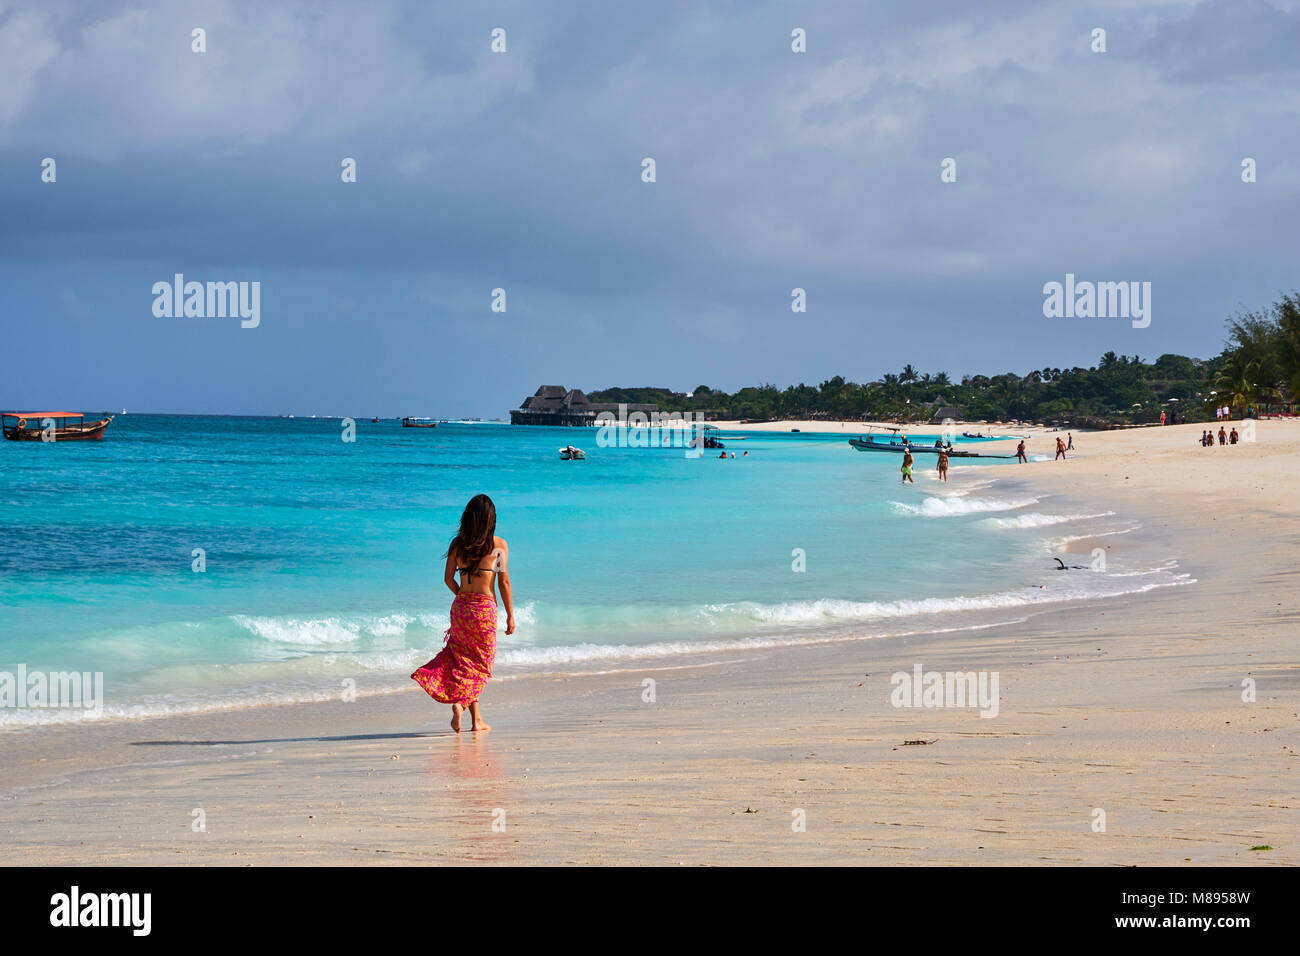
(908, 374)
(1237, 383)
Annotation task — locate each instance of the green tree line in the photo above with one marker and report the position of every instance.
(1258, 368)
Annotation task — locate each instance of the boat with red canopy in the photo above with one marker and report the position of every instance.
(52, 426)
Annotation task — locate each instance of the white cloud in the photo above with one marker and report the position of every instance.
(26, 46)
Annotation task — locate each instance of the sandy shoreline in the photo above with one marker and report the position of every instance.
(852, 428)
(1131, 705)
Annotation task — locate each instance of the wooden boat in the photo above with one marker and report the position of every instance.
(569, 453)
(67, 426)
(418, 423)
(898, 447)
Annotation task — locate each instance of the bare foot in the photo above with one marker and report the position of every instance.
(479, 724)
(456, 710)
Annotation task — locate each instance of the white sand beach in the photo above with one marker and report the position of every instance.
(1130, 706)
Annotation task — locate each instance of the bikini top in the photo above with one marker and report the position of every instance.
(495, 569)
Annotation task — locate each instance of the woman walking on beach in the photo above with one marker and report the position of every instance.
(460, 671)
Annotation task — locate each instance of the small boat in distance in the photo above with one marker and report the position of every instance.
(418, 423)
(62, 426)
(569, 453)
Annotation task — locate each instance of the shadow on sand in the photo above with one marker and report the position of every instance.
(289, 740)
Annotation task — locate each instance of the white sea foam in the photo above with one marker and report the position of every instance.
(953, 505)
(324, 630)
(1056, 544)
(1036, 520)
(342, 630)
(967, 488)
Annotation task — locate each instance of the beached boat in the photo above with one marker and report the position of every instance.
(418, 423)
(66, 426)
(569, 453)
(898, 447)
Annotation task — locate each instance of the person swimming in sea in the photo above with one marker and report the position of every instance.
(460, 671)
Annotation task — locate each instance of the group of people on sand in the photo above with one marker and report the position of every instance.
(1062, 446)
(1225, 437)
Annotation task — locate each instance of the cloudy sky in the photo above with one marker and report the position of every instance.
(522, 170)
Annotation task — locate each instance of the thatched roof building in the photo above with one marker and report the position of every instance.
(556, 405)
(944, 412)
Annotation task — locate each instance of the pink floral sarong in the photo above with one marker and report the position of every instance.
(463, 667)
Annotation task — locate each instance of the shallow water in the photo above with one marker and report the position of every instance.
(324, 558)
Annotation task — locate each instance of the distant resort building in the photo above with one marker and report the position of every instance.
(942, 411)
(556, 405)
(946, 413)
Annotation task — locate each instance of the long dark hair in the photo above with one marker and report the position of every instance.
(478, 526)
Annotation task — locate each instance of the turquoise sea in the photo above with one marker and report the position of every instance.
(324, 558)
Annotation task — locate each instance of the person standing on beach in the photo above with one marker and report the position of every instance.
(943, 464)
(1162, 416)
(1060, 450)
(1069, 443)
(907, 466)
(1020, 453)
(460, 671)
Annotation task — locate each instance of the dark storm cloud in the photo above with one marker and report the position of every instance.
(522, 170)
